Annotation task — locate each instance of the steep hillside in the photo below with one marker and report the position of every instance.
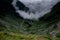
(10, 21)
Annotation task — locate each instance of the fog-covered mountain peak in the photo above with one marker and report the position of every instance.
(37, 8)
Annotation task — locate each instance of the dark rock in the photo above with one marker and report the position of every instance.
(21, 6)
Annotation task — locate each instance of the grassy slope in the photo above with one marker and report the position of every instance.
(18, 36)
(24, 32)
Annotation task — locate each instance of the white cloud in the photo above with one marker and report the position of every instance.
(29, 0)
(40, 7)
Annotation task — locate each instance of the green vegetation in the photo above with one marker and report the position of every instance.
(18, 36)
(15, 36)
(13, 28)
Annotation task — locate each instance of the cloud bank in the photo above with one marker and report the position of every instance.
(37, 8)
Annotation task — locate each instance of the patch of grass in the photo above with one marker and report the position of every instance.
(17, 36)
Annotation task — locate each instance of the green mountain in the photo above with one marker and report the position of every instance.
(14, 27)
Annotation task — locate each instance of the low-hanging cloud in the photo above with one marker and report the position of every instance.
(37, 8)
